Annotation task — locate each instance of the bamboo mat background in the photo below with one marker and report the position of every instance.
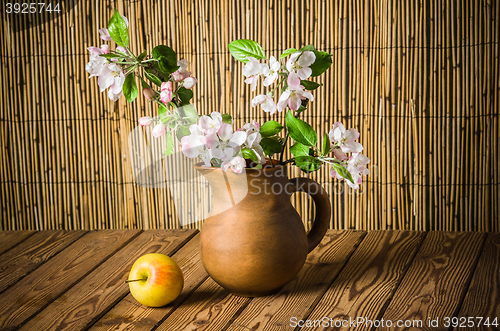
(418, 79)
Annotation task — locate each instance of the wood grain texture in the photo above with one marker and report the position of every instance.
(210, 307)
(297, 298)
(483, 295)
(128, 314)
(35, 291)
(32, 253)
(438, 278)
(368, 281)
(9, 239)
(99, 291)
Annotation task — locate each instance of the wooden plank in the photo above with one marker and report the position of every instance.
(368, 281)
(93, 296)
(33, 252)
(210, 307)
(437, 279)
(130, 315)
(298, 297)
(35, 291)
(9, 239)
(483, 297)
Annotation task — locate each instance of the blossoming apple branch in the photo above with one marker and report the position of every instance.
(167, 82)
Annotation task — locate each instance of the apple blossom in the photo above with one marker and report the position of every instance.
(159, 130)
(293, 98)
(181, 73)
(189, 82)
(96, 63)
(252, 127)
(104, 34)
(166, 92)
(145, 121)
(298, 64)
(345, 138)
(271, 71)
(266, 102)
(113, 77)
(237, 164)
(252, 70)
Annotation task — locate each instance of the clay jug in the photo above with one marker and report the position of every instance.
(253, 241)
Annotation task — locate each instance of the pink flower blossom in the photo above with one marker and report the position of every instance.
(145, 121)
(189, 82)
(180, 74)
(345, 138)
(166, 93)
(293, 98)
(112, 76)
(236, 164)
(252, 127)
(96, 62)
(104, 34)
(266, 102)
(159, 130)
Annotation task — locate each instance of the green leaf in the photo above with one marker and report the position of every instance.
(270, 128)
(307, 48)
(226, 118)
(287, 52)
(143, 83)
(117, 29)
(241, 49)
(162, 112)
(307, 163)
(189, 113)
(249, 154)
(342, 171)
(301, 109)
(169, 148)
(167, 58)
(152, 77)
(308, 85)
(185, 95)
(323, 61)
(142, 56)
(300, 131)
(326, 144)
(182, 131)
(130, 88)
(270, 146)
(299, 150)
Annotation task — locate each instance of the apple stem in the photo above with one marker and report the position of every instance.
(134, 280)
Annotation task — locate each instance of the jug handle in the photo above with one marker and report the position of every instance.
(323, 208)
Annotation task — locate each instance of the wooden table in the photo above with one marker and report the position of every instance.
(75, 280)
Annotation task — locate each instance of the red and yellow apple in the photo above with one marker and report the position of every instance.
(155, 280)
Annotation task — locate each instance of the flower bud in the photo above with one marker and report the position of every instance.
(145, 121)
(148, 93)
(190, 82)
(159, 130)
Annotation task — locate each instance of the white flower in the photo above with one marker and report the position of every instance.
(293, 98)
(266, 102)
(345, 138)
(300, 66)
(271, 71)
(236, 164)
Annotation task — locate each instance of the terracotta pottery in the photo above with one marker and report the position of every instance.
(253, 241)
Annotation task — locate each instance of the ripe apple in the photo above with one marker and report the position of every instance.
(155, 280)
